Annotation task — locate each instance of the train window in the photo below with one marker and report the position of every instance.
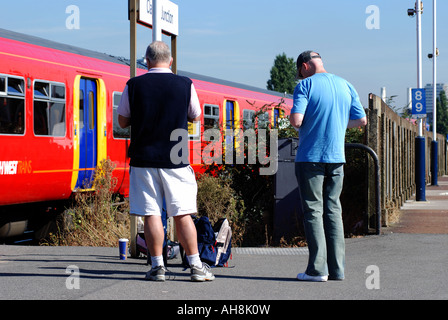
(248, 118)
(2, 85)
(49, 109)
(58, 92)
(41, 90)
(16, 86)
(118, 131)
(81, 109)
(211, 116)
(12, 105)
(92, 110)
(263, 120)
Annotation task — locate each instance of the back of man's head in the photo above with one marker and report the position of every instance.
(158, 52)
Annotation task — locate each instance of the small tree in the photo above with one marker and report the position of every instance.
(283, 75)
(442, 114)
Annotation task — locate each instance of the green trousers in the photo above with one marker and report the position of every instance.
(320, 186)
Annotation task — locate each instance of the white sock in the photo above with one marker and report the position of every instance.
(194, 260)
(157, 261)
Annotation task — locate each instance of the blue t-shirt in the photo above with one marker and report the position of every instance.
(327, 103)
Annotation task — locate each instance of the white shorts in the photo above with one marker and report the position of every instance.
(150, 186)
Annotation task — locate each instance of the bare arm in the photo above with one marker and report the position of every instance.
(296, 119)
(198, 118)
(357, 123)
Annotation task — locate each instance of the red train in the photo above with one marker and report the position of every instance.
(58, 118)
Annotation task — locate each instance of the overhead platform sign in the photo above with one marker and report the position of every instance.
(168, 14)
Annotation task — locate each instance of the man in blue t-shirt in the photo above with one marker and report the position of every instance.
(325, 105)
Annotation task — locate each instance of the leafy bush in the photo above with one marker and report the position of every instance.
(252, 217)
(354, 193)
(216, 199)
(96, 218)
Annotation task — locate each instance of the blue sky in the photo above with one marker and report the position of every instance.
(238, 40)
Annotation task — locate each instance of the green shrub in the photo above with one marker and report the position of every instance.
(96, 218)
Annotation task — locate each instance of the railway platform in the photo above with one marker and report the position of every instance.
(406, 261)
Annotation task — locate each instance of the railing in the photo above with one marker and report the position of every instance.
(392, 138)
(377, 190)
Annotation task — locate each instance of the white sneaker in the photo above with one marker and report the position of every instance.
(201, 274)
(156, 274)
(304, 277)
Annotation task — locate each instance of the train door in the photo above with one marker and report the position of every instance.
(87, 133)
(276, 117)
(230, 121)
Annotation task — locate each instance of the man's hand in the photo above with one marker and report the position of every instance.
(124, 122)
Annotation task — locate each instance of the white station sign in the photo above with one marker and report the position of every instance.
(168, 13)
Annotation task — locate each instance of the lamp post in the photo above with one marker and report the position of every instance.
(434, 143)
(420, 164)
(420, 176)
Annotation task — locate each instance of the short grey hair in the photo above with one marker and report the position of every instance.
(158, 51)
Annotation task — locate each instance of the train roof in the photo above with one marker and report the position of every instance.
(120, 60)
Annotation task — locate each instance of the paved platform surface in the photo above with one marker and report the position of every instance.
(429, 216)
(407, 261)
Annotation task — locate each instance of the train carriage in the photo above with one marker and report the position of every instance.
(58, 117)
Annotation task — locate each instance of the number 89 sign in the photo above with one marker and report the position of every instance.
(418, 103)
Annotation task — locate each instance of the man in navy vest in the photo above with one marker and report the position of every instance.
(155, 105)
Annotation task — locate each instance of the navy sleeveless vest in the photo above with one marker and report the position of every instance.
(159, 105)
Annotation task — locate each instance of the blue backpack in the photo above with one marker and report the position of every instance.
(214, 243)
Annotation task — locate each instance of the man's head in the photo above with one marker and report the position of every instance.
(309, 63)
(158, 54)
